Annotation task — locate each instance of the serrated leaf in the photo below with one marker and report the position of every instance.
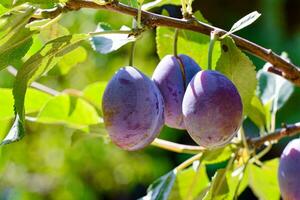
(257, 112)
(189, 183)
(64, 109)
(244, 22)
(219, 188)
(190, 43)
(40, 63)
(263, 180)
(71, 59)
(160, 189)
(158, 3)
(15, 39)
(239, 69)
(106, 43)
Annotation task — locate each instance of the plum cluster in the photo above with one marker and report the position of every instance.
(180, 95)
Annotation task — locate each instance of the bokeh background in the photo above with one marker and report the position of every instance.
(50, 164)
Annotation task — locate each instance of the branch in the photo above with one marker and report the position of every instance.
(288, 130)
(287, 69)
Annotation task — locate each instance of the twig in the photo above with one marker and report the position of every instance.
(288, 130)
(175, 147)
(288, 70)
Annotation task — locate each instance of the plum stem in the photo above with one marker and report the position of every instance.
(213, 38)
(178, 148)
(131, 57)
(188, 162)
(175, 42)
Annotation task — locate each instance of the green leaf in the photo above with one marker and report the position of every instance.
(64, 109)
(106, 43)
(239, 69)
(71, 59)
(189, 183)
(257, 112)
(94, 93)
(236, 177)
(15, 133)
(273, 88)
(219, 188)
(159, 3)
(190, 43)
(15, 39)
(160, 189)
(244, 22)
(217, 155)
(263, 180)
(40, 63)
(6, 102)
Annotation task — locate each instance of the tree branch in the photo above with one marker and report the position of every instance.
(287, 69)
(288, 130)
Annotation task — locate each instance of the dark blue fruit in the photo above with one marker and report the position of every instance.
(170, 81)
(288, 172)
(212, 109)
(133, 109)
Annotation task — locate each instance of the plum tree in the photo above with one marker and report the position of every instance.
(171, 82)
(212, 109)
(133, 109)
(288, 172)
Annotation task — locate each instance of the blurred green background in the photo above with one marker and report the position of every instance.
(55, 162)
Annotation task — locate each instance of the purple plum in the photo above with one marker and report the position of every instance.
(133, 109)
(212, 109)
(288, 172)
(170, 81)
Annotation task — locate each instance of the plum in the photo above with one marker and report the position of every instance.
(170, 81)
(133, 109)
(212, 109)
(288, 172)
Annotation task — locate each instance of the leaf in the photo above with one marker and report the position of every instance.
(239, 69)
(263, 180)
(244, 22)
(189, 183)
(16, 132)
(6, 102)
(160, 189)
(190, 43)
(257, 112)
(219, 187)
(71, 111)
(71, 59)
(106, 43)
(273, 88)
(217, 155)
(159, 3)
(40, 63)
(15, 39)
(94, 93)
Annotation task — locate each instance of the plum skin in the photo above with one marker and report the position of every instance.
(133, 109)
(288, 172)
(212, 109)
(169, 79)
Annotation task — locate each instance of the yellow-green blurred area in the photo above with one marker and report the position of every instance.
(57, 161)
